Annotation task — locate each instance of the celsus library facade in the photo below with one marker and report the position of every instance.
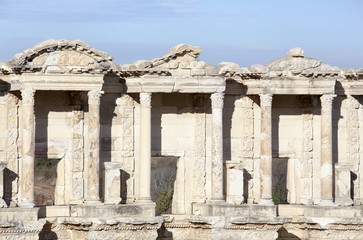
(270, 151)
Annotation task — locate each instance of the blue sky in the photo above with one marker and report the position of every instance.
(245, 32)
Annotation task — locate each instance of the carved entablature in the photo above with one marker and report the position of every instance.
(295, 74)
(352, 83)
(62, 57)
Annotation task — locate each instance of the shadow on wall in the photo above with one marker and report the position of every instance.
(283, 234)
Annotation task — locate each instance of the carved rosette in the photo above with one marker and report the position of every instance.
(217, 156)
(145, 99)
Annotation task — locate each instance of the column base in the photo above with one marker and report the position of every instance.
(26, 204)
(327, 203)
(267, 202)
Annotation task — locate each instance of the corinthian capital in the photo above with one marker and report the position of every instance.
(266, 100)
(327, 99)
(145, 99)
(217, 100)
(27, 96)
(94, 97)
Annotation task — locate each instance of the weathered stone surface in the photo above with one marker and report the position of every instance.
(210, 118)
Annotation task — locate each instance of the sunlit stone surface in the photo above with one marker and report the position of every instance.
(269, 151)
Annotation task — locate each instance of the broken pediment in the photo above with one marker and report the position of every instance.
(181, 60)
(297, 65)
(62, 56)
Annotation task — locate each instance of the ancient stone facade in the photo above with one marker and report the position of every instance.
(269, 151)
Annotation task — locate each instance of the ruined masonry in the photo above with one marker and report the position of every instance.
(270, 151)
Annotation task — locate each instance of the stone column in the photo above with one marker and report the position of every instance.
(326, 157)
(28, 150)
(2, 202)
(217, 146)
(145, 148)
(93, 185)
(266, 150)
(77, 157)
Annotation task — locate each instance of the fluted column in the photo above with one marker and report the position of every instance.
(217, 157)
(266, 150)
(326, 154)
(93, 184)
(145, 148)
(28, 150)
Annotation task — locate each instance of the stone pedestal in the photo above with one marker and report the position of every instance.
(112, 182)
(28, 148)
(343, 184)
(93, 188)
(217, 156)
(266, 150)
(326, 157)
(235, 183)
(145, 148)
(2, 202)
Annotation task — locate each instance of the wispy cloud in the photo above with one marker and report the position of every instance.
(180, 6)
(96, 11)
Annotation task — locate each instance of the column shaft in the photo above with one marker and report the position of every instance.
(145, 148)
(28, 150)
(217, 157)
(93, 185)
(266, 149)
(326, 157)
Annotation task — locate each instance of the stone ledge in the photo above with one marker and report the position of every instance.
(225, 209)
(108, 211)
(320, 211)
(18, 214)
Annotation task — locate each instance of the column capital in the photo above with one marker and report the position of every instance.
(27, 96)
(353, 102)
(217, 100)
(266, 99)
(94, 97)
(10, 98)
(145, 99)
(327, 99)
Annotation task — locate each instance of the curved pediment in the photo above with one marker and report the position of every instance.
(64, 52)
(63, 56)
(297, 63)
